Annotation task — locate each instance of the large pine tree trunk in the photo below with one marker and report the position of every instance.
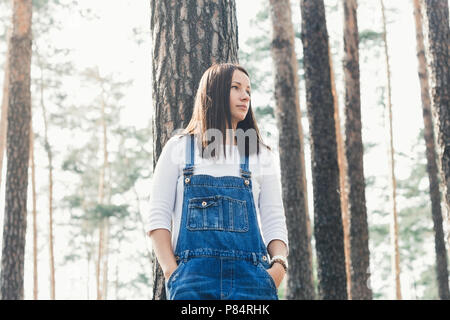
(359, 233)
(342, 164)
(291, 147)
(394, 222)
(188, 37)
(18, 146)
(438, 35)
(327, 206)
(432, 168)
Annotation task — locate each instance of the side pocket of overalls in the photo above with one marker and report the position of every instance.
(263, 268)
(174, 276)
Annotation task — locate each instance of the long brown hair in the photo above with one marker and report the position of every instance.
(212, 108)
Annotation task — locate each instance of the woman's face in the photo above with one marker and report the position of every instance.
(239, 97)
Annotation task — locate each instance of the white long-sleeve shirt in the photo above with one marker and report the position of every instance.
(166, 198)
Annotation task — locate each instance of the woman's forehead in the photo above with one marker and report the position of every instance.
(241, 78)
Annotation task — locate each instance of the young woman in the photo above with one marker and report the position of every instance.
(223, 213)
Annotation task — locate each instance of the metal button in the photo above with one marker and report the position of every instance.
(247, 182)
(204, 203)
(264, 258)
(187, 180)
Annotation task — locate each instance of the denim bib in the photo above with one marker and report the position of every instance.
(220, 252)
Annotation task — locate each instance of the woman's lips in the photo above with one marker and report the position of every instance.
(242, 106)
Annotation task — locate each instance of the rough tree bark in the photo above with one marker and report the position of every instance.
(437, 34)
(291, 147)
(359, 230)
(319, 99)
(432, 167)
(18, 146)
(342, 164)
(187, 38)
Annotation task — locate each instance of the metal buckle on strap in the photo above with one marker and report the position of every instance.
(245, 174)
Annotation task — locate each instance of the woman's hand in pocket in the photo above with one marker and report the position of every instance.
(170, 269)
(277, 273)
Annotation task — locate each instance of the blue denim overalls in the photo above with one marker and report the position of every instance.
(220, 251)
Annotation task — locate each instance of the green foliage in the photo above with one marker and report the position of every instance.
(416, 227)
(73, 200)
(264, 111)
(428, 281)
(370, 35)
(71, 163)
(416, 235)
(101, 211)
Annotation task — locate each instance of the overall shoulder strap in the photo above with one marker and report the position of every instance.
(189, 155)
(245, 172)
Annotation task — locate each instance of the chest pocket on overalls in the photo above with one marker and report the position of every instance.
(220, 213)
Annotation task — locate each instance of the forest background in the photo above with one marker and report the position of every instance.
(92, 53)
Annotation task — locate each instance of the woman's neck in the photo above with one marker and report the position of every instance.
(228, 137)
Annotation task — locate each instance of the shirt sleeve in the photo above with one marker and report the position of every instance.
(164, 187)
(271, 209)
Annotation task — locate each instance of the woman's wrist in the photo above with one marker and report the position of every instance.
(278, 267)
(277, 272)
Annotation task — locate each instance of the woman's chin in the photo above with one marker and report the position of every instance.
(242, 117)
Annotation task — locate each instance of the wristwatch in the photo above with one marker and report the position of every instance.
(281, 260)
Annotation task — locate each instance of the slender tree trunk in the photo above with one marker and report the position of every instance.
(105, 260)
(394, 222)
(328, 228)
(438, 35)
(89, 258)
(99, 260)
(4, 115)
(88, 273)
(50, 185)
(432, 168)
(33, 188)
(359, 230)
(18, 152)
(292, 158)
(87, 243)
(102, 244)
(188, 37)
(342, 164)
(116, 282)
(106, 245)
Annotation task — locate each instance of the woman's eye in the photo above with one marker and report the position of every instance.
(248, 92)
